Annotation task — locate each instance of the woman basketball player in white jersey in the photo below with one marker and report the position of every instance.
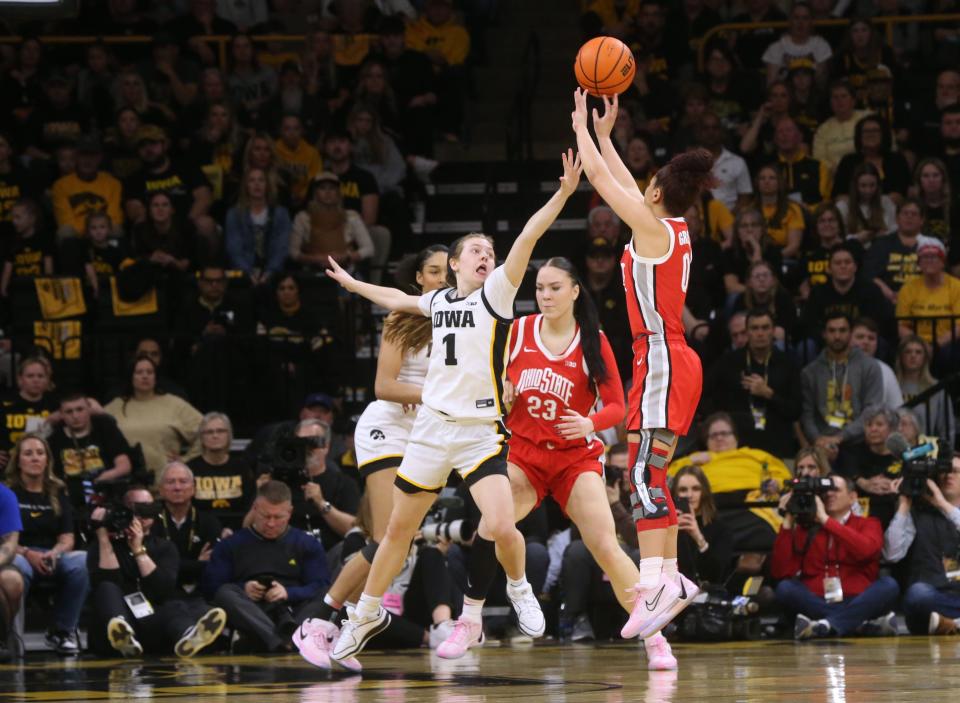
(560, 365)
(667, 376)
(380, 441)
(458, 426)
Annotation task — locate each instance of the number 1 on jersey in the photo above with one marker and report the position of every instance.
(449, 343)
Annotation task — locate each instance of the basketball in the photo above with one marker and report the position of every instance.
(604, 66)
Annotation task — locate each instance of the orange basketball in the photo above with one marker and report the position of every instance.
(604, 66)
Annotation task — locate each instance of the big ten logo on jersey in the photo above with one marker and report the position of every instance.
(683, 237)
(219, 487)
(453, 318)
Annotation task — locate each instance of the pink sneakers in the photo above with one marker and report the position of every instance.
(465, 635)
(314, 638)
(651, 608)
(659, 655)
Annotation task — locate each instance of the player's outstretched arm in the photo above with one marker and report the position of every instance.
(603, 126)
(518, 258)
(627, 204)
(390, 298)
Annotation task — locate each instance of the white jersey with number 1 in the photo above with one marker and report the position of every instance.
(467, 362)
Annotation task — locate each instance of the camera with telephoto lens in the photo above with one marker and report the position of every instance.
(117, 518)
(916, 472)
(716, 616)
(287, 460)
(438, 525)
(803, 490)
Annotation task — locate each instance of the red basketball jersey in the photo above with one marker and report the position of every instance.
(657, 288)
(546, 385)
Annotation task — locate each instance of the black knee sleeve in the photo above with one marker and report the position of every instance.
(369, 549)
(481, 569)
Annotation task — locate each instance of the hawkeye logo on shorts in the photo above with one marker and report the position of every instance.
(377, 434)
(453, 318)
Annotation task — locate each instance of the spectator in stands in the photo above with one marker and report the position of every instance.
(325, 228)
(759, 386)
(862, 51)
(892, 259)
(261, 153)
(737, 329)
(805, 98)
(603, 223)
(836, 388)
(120, 143)
(865, 337)
(213, 147)
(152, 349)
(926, 533)
(95, 84)
(257, 229)
(758, 141)
(844, 292)
(200, 20)
(828, 233)
(638, 158)
(193, 532)
(834, 137)
(135, 596)
(784, 217)
(358, 189)
(808, 180)
(731, 171)
(872, 145)
(30, 255)
(251, 84)
(935, 294)
(170, 76)
(751, 43)
(298, 160)
(163, 238)
(57, 119)
(323, 79)
(603, 280)
(706, 296)
(223, 481)
(212, 314)
(245, 15)
(375, 151)
(212, 89)
(21, 84)
(99, 253)
(728, 91)
(950, 140)
(29, 408)
(45, 552)
(750, 245)
(932, 188)
(447, 44)
(86, 191)
(800, 41)
(291, 97)
(130, 92)
(411, 83)
(935, 415)
(374, 92)
(705, 542)
(186, 185)
(872, 466)
(15, 184)
(164, 425)
(87, 448)
(830, 575)
(763, 291)
(11, 581)
(260, 574)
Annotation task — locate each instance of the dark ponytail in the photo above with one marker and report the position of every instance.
(585, 313)
(684, 178)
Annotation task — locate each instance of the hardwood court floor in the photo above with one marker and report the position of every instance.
(867, 670)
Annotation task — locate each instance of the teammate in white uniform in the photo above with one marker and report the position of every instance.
(380, 441)
(458, 426)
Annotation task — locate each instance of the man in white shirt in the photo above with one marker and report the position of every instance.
(733, 177)
(798, 43)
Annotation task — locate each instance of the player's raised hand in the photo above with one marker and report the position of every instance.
(572, 168)
(579, 114)
(603, 126)
(337, 273)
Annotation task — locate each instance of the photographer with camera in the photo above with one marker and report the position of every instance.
(46, 545)
(134, 578)
(325, 499)
(193, 532)
(269, 576)
(829, 564)
(87, 448)
(925, 533)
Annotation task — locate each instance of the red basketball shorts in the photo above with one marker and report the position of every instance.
(667, 382)
(554, 471)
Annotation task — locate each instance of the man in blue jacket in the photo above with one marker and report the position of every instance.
(269, 575)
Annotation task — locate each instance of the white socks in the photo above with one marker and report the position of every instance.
(472, 610)
(367, 606)
(670, 569)
(650, 569)
(519, 583)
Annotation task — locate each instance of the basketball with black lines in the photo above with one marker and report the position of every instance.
(604, 66)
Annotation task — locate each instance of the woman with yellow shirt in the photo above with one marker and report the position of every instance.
(784, 218)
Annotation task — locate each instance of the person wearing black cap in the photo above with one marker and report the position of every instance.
(86, 191)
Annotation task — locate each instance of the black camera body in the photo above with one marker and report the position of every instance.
(916, 472)
(720, 618)
(439, 524)
(109, 495)
(803, 490)
(287, 460)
